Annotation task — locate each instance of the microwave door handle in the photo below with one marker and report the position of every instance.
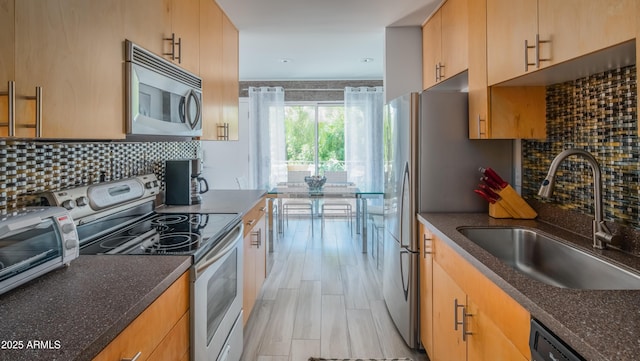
(181, 108)
(193, 121)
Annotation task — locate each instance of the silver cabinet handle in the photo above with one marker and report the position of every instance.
(426, 250)
(480, 132)
(11, 108)
(526, 55)
(440, 76)
(258, 235)
(172, 54)
(462, 323)
(251, 222)
(135, 358)
(538, 42)
(179, 57)
(38, 99)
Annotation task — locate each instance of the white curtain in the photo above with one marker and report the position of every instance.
(363, 149)
(267, 141)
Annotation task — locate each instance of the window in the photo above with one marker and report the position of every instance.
(314, 134)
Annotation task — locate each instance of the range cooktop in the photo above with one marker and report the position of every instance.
(157, 233)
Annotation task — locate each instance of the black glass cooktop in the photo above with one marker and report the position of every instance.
(157, 233)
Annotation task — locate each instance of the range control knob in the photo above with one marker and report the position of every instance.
(71, 243)
(68, 228)
(148, 185)
(69, 204)
(82, 201)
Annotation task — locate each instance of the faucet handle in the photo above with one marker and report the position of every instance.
(602, 235)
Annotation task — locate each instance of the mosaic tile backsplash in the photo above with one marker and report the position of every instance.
(28, 168)
(598, 114)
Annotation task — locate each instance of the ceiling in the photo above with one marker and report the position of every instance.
(318, 39)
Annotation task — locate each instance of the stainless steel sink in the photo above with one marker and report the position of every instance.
(550, 261)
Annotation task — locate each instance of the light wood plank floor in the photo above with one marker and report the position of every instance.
(322, 298)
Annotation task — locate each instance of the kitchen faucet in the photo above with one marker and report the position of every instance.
(601, 233)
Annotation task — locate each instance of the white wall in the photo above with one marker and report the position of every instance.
(225, 160)
(402, 61)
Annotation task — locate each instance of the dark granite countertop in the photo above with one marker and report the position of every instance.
(79, 309)
(221, 201)
(600, 324)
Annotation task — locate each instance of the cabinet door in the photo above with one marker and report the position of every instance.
(455, 23)
(426, 289)
(249, 275)
(261, 253)
(211, 67)
(165, 320)
(73, 49)
(431, 50)
(185, 24)
(7, 59)
(478, 89)
(448, 344)
(509, 24)
(230, 85)
(579, 27)
(147, 23)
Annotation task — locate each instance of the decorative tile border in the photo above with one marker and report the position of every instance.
(598, 114)
(28, 168)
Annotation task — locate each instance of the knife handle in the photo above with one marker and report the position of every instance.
(484, 195)
(491, 183)
(495, 177)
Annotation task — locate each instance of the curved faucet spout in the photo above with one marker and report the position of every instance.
(601, 233)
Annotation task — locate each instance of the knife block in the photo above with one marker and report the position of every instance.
(512, 204)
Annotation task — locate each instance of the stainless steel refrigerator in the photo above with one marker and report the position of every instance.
(430, 166)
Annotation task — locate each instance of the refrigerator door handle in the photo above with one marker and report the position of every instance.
(405, 186)
(405, 285)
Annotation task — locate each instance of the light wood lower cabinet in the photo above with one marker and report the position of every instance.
(472, 318)
(255, 256)
(161, 332)
(426, 289)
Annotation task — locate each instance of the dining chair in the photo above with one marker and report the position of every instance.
(337, 208)
(297, 206)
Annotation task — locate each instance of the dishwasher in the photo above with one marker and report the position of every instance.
(545, 346)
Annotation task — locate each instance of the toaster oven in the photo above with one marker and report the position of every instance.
(35, 241)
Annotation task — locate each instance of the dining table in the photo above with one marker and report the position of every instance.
(346, 190)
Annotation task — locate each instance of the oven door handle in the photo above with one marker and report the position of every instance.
(228, 244)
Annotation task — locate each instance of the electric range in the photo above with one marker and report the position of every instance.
(119, 218)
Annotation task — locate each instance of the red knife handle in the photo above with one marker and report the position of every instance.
(488, 191)
(495, 177)
(484, 195)
(491, 183)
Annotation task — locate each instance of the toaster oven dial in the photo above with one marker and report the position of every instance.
(71, 243)
(68, 228)
(69, 204)
(82, 201)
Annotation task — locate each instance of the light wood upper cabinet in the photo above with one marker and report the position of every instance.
(444, 43)
(7, 60)
(230, 85)
(509, 24)
(499, 113)
(554, 32)
(426, 289)
(73, 49)
(431, 50)
(579, 27)
(219, 73)
(147, 23)
(185, 24)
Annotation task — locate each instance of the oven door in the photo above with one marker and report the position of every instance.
(160, 105)
(216, 296)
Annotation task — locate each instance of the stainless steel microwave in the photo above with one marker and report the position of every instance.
(161, 98)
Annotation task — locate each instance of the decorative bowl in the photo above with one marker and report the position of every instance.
(315, 181)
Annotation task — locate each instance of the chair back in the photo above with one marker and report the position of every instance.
(336, 176)
(297, 176)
